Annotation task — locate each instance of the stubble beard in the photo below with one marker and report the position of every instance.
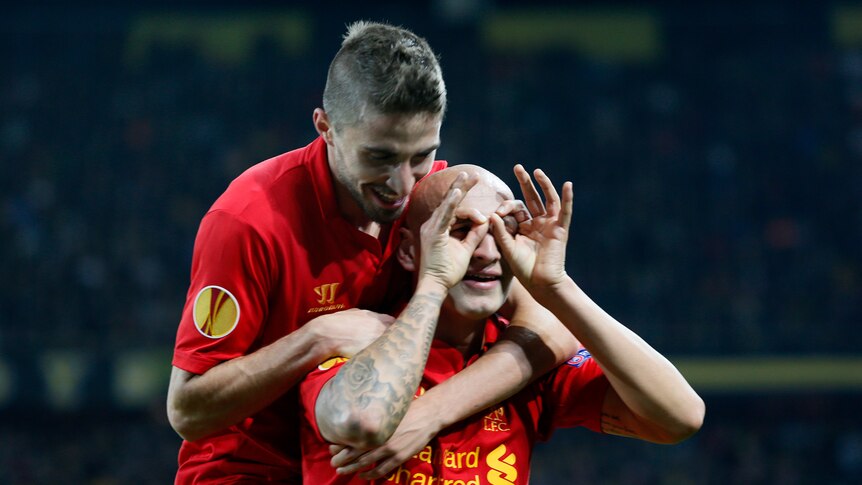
(369, 208)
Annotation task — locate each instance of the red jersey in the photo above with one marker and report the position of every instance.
(272, 253)
(493, 447)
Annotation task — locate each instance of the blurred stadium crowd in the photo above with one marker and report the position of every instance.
(718, 194)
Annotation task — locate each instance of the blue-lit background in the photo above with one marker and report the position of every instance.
(716, 154)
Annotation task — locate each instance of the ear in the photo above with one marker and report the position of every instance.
(407, 250)
(322, 125)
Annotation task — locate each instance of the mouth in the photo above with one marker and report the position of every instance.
(481, 281)
(386, 198)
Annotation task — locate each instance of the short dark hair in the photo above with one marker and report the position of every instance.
(389, 69)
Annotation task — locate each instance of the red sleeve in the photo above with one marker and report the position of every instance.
(574, 395)
(227, 298)
(310, 389)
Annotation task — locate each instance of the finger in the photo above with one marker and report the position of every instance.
(531, 196)
(471, 214)
(565, 219)
(382, 469)
(474, 237)
(444, 216)
(505, 240)
(345, 457)
(336, 449)
(552, 199)
(515, 208)
(364, 461)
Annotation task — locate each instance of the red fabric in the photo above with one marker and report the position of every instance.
(277, 243)
(492, 447)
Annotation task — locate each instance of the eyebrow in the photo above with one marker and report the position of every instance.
(389, 149)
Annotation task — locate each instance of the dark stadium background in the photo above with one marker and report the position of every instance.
(716, 154)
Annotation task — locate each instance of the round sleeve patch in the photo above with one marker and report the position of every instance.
(216, 312)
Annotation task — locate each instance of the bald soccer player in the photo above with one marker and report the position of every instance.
(616, 384)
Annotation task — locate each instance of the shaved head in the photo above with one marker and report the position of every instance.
(428, 194)
(486, 283)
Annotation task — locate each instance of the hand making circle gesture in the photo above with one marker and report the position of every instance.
(537, 253)
(444, 258)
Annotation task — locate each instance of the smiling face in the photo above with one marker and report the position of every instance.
(377, 160)
(485, 286)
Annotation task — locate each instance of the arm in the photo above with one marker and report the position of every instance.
(507, 367)
(534, 343)
(199, 405)
(363, 404)
(649, 398)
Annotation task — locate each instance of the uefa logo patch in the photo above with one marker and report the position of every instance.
(579, 358)
(216, 312)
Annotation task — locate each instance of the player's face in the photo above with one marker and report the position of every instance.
(485, 286)
(379, 159)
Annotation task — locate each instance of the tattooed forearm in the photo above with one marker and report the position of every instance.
(368, 397)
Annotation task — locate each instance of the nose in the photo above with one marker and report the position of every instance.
(487, 250)
(402, 179)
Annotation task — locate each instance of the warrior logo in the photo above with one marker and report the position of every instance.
(216, 312)
(326, 298)
(326, 293)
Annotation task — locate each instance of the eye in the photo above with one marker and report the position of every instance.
(380, 156)
(511, 224)
(419, 159)
(459, 230)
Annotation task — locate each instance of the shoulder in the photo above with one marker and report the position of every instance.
(269, 190)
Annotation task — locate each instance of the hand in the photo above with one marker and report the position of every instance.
(349, 331)
(444, 259)
(416, 430)
(537, 254)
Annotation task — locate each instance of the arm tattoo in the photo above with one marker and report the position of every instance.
(381, 380)
(612, 424)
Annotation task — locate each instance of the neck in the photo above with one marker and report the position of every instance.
(464, 334)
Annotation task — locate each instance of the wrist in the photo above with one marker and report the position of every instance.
(434, 418)
(317, 339)
(431, 286)
(548, 295)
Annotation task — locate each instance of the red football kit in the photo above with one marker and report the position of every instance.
(272, 253)
(493, 447)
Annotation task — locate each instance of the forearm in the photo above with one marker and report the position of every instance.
(362, 405)
(199, 405)
(646, 381)
(497, 375)
(534, 343)
(546, 342)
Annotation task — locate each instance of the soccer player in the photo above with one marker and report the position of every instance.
(293, 261)
(618, 384)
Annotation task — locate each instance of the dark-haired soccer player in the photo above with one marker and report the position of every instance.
(292, 261)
